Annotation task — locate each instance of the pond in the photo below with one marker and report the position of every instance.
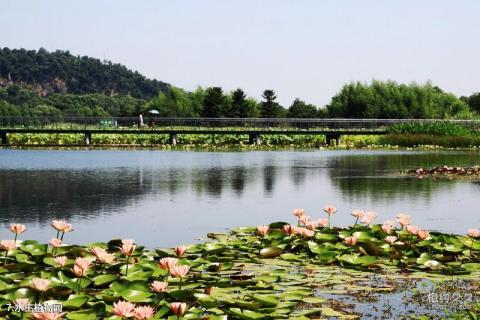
(164, 198)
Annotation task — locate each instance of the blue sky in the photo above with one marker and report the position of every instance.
(300, 48)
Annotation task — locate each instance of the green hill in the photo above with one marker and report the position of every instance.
(61, 72)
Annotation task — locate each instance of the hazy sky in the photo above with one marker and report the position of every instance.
(305, 49)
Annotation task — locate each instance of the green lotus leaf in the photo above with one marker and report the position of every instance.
(75, 301)
(355, 259)
(85, 314)
(266, 300)
(133, 295)
(471, 266)
(104, 279)
(246, 314)
(326, 237)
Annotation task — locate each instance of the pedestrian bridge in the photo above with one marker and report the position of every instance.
(333, 129)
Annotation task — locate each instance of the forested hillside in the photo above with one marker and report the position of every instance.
(61, 72)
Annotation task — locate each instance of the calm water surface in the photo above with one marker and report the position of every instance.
(162, 198)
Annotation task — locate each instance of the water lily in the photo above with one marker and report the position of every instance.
(298, 212)
(106, 258)
(127, 248)
(55, 242)
(143, 312)
(178, 308)
(40, 284)
(17, 228)
(179, 272)
(168, 263)
(403, 219)
(263, 230)
(422, 234)
(7, 245)
(368, 218)
(388, 226)
(180, 251)
(329, 210)
(473, 233)
(319, 223)
(307, 233)
(123, 309)
(60, 260)
(412, 229)
(96, 251)
(304, 220)
(158, 286)
(357, 214)
(289, 230)
(62, 227)
(351, 241)
(391, 239)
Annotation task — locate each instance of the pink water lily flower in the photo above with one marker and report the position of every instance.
(179, 271)
(178, 308)
(106, 258)
(368, 218)
(319, 223)
(422, 234)
(388, 226)
(40, 284)
(263, 230)
(44, 315)
(330, 209)
(180, 251)
(290, 230)
(306, 232)
(298, 212)
(123, 309)
(474, 233)
(168, 263)
(55, 242)
(358, 213)
(61, 260)
(304, 220)
(143, 313)
(391, 239)
(412, 229)
(96, 251)
(351, 241)
(128, 247)
(159, 286)
(8, 245)
(17, 228)
(62, 226)
(404, 219)
(83, 263)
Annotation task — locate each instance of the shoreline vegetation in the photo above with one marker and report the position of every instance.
(240, 142)
(297, 271)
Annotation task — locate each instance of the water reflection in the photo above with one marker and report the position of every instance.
(183, 195)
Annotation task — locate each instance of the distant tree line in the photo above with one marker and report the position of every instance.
(40, 83)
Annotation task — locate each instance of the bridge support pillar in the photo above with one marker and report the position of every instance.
(332, 137)
(87, 139)
(173, 138)
(254, 138)
(4, 138)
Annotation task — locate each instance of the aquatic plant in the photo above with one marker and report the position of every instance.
(264, 272)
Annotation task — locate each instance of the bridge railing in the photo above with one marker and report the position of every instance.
(157, 123)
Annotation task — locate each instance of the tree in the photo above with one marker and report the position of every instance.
(299, 109)
(269, 107)
(390, 100)
(239, 105)
(214, 103)
(473, 102)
